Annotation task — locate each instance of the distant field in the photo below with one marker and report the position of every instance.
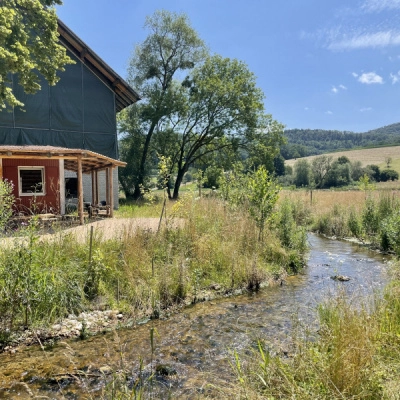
(367, 156)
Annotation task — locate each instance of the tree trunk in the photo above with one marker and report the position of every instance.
(140, 179)
(178, 182)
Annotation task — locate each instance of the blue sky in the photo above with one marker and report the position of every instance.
(328, 64)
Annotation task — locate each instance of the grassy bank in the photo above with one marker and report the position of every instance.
(354, 355)
(371, 217)
(215, 251)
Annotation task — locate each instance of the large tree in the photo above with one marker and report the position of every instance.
(221, 108)
(172, 47)
(29, 46)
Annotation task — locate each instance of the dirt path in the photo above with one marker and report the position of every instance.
(106, 229)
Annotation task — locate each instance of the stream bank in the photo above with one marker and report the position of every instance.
(189, 354)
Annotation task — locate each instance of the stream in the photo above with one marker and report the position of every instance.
(193, 349)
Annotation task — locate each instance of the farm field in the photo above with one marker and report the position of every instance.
(374, 156)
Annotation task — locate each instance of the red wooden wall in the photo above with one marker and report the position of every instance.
(50, 202)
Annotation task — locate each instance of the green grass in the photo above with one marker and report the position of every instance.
(144, 272)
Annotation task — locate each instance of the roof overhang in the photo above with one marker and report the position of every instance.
(91, 161)
(125, 95)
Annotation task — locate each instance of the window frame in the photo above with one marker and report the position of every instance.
(32, 168)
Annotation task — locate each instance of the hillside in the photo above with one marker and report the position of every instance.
(307, 142)
(366, 156)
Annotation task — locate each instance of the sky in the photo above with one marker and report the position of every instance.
(322, 64)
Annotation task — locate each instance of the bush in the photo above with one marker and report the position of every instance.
(6, 202)
(389, 175)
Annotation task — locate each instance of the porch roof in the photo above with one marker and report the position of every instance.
(91, 161)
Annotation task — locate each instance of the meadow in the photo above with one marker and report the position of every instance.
(374, 156)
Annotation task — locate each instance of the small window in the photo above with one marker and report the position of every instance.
(31, 181)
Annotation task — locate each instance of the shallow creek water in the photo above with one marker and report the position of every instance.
(192, 349)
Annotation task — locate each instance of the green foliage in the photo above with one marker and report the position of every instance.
(6, 202)
(390, 233)
(212, 174)
(171, 47)
(215, 110)
(261, 194)
(292, 234)
(307, 142)
(33, 287)
(370, 217)
(388, 175)
(95, 273)
(320, 167)
(354, 356)
(29, 46)
(364, 183)
(354, 223)
(302, 173)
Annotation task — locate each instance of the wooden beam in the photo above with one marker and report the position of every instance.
(1, 169)
(111, 182)
(93, 188)
(107, 187)
(96, 197)
(80, 191)
(62, 186)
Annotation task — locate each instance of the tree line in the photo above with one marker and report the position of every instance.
(326, 172)
(308, 142)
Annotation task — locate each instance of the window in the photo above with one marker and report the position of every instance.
(31, 181)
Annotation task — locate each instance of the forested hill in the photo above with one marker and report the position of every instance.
(308, 142)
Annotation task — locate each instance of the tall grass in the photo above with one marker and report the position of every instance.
(355, 355)
(204, 245)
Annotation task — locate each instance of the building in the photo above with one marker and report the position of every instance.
(65, 131)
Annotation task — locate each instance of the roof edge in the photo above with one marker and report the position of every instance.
(125, 94)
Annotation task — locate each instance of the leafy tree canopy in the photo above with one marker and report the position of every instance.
(28, 46)
(197, 110)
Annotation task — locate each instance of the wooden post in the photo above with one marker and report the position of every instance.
(80, 191)
(1, 168)
(62, 185)
(93, 188)
(96, 178)
(107, 187)
(111, 193)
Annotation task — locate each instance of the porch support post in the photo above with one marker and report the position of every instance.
(96, 195)
(93, 188)
(80, 191)
(111, 192)
(107, 187)
(1, 168)
(62, 185)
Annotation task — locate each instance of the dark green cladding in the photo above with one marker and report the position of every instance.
(78, 112)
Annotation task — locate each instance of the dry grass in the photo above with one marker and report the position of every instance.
(324, 201)
(374, 156)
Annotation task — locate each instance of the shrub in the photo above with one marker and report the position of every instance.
(389, 175)
(6, 202)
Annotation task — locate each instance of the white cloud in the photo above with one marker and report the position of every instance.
(370, 77)
(364, 40)
(354, 74)
(329, 112)
(395, 77)
(380, 5)
(335, 89)
(365, 109)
